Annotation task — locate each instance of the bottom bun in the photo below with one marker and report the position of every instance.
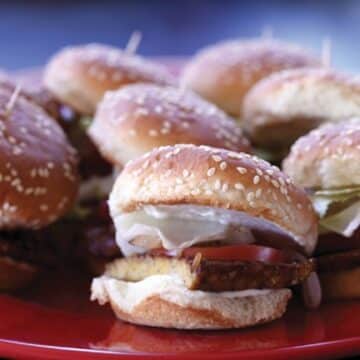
(163, 301)
(15, 275)
(341, 285)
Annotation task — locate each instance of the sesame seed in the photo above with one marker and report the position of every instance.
(153, 133)
(185, 173)
(185, 125)
(164, 131)
(216, 158)
(258, 193)
(250, 196)
(275, 183)
(211, 172)
(223, 165)
(256, 179)
(195, 192)
(12, 140)
(239, 186)
(241, 170)
(225, 187)
(217, 184)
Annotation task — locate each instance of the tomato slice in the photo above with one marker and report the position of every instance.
(234, 252)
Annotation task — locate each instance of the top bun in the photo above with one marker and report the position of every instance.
(38, 167)
(328, 157)
(288, 104)
(79, 76)
(205, 176)
(224, 73)
(140, 117)
(35, 93)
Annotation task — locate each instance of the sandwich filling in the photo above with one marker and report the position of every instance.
(339, 240)
(168, 287)
(208, 249)
(338, 209)
(181, 226)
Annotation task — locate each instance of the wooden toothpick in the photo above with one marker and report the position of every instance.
(12, 101)
(326, 51)
(133, 42)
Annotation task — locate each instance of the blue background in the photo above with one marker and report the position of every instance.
(31, 31)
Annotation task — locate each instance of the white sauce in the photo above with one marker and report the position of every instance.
(171, 288)
(182, 226)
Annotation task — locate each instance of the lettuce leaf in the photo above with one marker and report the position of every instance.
(85, 122)
(344, 222)
(338, 209)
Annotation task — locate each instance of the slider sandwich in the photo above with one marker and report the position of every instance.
(326, 162)
(212, 239)
(288, 104)
(140, 117)
(223, 73)
(39, 184)
(78, 77)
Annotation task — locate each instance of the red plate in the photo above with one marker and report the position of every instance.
(56, 320)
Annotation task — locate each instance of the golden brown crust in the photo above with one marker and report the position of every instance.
(38, 167)
(212, 275)
(16, 275)
(327, 157)
(79, 76)
(140, 117)
(188, 174)
(287, 104)
(216, 312)
(225, 72)
(341, 285)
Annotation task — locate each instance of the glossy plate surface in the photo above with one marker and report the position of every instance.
(56, 320)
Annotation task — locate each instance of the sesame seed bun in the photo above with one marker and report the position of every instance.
(38, 167)
(80, 75)
(188, 174)
(225, 72)
(183, 309)
(288, 104)
(140, 117)
(328, 157)
(33, 92)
